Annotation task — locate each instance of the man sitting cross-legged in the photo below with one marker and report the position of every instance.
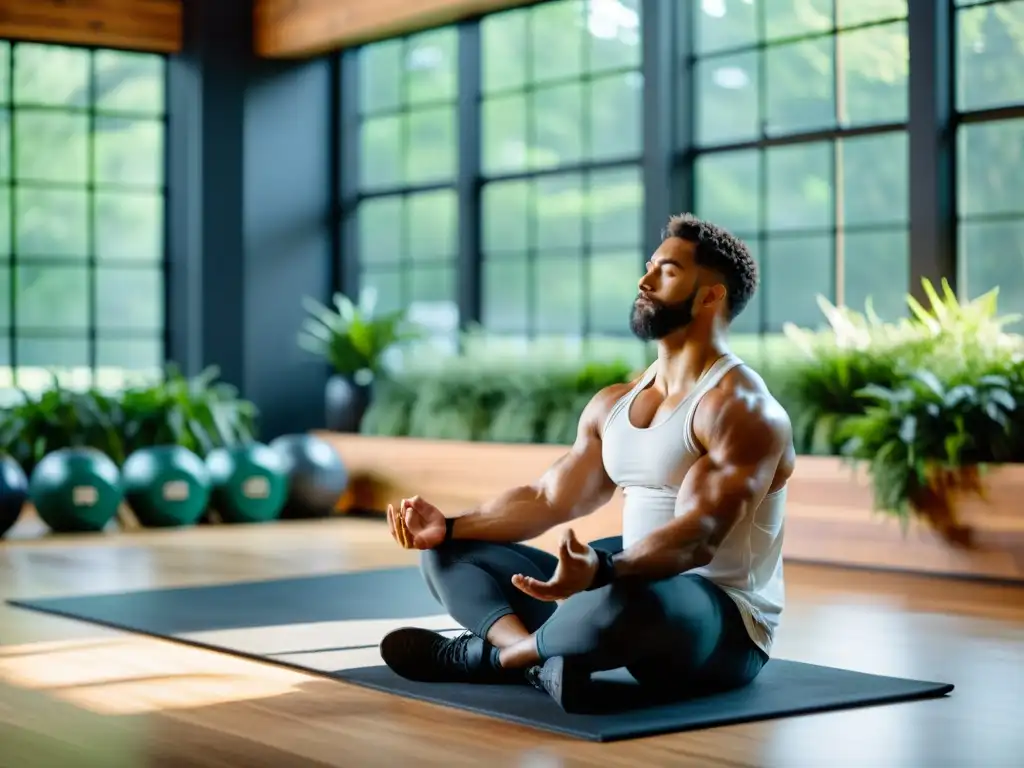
(689, 598)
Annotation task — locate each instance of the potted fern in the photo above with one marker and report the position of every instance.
(927, 440)
(925, 404)
(353, 340)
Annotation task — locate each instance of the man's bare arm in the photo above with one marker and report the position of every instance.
(751, 435)
(573, 487)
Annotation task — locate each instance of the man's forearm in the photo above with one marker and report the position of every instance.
(520, 514)
(686, 543)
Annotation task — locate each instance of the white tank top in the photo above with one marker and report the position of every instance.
(650, 464)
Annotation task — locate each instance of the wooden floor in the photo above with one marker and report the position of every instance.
(73, 694)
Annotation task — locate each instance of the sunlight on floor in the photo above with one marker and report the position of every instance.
(35, 649)
(135, 676)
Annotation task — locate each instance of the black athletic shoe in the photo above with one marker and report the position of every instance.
(565, 682)
(428, 657)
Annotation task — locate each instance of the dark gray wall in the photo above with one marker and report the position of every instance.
(249, 215)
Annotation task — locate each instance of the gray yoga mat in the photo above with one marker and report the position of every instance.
(320, 624)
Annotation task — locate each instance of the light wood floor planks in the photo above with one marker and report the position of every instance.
(77, 695)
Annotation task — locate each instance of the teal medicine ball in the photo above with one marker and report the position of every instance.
(250, 483)
(76, 490)
(166, 486)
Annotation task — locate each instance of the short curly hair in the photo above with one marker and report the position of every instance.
(722, 252)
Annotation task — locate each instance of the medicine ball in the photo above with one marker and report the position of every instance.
(250, 484)
(316, 476)
(13, 493)
(76, 490)
(166, 486)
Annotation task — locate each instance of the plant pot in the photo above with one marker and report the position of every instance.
(345, 402)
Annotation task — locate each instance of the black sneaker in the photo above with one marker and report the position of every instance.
(565, 682)
(428, 657)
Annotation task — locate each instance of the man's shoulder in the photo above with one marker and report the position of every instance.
(743, 394)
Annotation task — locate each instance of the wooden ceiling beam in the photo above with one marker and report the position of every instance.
(302, 28)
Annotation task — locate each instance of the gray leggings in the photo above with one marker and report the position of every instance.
(680, 629)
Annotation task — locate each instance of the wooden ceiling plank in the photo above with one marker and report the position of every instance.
(141, 25)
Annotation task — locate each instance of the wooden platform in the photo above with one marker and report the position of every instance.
(78, 695)
(829, 516)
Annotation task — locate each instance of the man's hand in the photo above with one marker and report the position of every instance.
(416, 524)
(577, 566)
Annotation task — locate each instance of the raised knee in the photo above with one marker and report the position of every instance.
(623, 606)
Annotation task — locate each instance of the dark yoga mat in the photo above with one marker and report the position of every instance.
(621, 710)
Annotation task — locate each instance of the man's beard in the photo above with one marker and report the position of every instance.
(652, 320)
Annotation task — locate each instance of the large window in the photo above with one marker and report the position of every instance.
(800, 125)
(797, 138)
(562, 200)
(81, 215)
(407, 212)
(990, 100)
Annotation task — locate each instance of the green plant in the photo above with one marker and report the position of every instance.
(465, 400)
(857, 349)
(925, 402)
(925, 439)
(822, 393)
(199, 413)
(60, 418)
(351, 338)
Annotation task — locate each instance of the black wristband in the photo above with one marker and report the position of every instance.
(605, 574)
(449, 529)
